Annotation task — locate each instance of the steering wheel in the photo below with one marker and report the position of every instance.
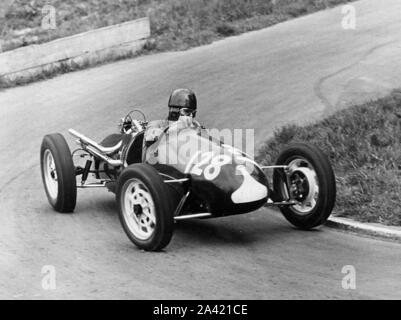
(128, 116)
(128, 121)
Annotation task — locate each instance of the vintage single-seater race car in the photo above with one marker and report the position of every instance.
(185, 174)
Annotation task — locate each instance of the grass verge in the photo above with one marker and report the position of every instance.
(364, 146)
(175, 24)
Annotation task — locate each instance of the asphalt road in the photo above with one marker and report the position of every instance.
(295, 71)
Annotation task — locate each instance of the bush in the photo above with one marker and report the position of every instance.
(364, 146)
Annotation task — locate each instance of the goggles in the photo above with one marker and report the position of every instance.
(183, 111)
(187, 112)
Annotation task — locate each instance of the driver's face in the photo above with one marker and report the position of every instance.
(187, 112)
(173, 113)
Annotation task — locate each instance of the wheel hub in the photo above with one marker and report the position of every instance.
(299, 186)
(139, 209)
(302, 185)
(50, 174)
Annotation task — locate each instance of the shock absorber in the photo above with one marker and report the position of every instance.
(86, 171)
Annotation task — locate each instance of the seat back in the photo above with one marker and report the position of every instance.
(134, 154)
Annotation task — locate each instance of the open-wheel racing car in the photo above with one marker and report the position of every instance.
(185, 174)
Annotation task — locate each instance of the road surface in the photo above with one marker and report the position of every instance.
(295, 71)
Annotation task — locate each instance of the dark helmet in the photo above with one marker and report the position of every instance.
(181, 101)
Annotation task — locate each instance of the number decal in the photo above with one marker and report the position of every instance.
(196, 169)
(212, 171)
(212, 165)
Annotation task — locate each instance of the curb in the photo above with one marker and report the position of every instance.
(369, 229)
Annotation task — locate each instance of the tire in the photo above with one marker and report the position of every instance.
(58, 173)
(315, 168)
(145, 208)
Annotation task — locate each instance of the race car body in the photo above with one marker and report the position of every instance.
(185, 174)
(224, 179)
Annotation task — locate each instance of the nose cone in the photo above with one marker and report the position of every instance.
(250, 190)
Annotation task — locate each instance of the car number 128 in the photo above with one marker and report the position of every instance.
(209, 164)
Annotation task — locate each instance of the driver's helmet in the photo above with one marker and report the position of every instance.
(182, 102)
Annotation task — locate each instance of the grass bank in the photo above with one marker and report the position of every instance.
(364, 146)
(175, 24)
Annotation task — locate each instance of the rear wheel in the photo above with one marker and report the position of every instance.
(145, 207)
(310, 181)
(58, 173)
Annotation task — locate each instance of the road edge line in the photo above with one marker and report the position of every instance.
(373, 230)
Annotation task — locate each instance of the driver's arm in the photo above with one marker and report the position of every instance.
(154, 130)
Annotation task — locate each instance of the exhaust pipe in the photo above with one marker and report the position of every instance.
(108, 160)
(86, 140)
(96, 149)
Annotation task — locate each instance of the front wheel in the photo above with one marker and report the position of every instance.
(310, 181)
(145, 207)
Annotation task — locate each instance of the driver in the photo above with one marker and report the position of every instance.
(182, 109)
